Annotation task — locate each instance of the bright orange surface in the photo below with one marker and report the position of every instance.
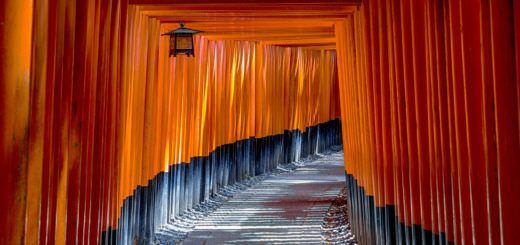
(231, 90)
(430, 107)
(91, 106)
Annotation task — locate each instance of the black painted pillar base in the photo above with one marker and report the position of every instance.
(380, 225)
(186, 185)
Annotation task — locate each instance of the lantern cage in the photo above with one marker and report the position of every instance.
(181, 41)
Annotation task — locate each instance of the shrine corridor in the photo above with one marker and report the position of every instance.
(128, 121)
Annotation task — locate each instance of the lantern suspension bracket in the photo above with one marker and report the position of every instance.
(181, 41)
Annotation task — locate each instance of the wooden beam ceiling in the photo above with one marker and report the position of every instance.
(285, 23)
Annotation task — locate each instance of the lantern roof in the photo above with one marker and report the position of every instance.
(182, 30)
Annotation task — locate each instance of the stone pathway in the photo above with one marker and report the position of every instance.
(287, 208)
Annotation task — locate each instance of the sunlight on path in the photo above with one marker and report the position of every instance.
(286, 208)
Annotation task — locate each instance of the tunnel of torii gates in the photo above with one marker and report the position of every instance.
(104, 138)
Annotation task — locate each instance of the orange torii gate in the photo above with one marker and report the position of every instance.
(93, 111)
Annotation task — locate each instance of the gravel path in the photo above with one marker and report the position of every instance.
(336, 227)
(287, 208)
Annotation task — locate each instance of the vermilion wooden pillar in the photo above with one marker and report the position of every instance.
(436, 67)
(15, 93)
(91, 108)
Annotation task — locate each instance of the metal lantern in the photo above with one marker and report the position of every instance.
(181, 41)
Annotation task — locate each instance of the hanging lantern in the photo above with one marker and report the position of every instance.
(181, 41)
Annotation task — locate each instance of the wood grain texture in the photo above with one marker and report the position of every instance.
(428, 92)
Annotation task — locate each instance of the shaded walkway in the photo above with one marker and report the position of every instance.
(285, 208)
